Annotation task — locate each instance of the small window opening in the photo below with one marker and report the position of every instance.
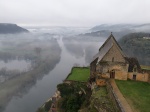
(113, 59)
(135, 69)
(134, 77)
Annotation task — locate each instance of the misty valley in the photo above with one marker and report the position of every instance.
(24, 58)
(27, 58)
(74, 56)
(33, 63)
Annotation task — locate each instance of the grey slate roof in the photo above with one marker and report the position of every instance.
(132, 62)
(105, 48)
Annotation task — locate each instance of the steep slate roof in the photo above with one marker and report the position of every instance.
(106, 47)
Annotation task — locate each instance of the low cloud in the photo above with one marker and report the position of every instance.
(74, 12)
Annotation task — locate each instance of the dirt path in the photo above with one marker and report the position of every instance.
(122, 100)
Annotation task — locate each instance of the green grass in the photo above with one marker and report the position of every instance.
(136, 93)
(79, 74)
(101, 92)
(145, 67)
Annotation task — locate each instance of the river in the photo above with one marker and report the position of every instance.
(45, 87)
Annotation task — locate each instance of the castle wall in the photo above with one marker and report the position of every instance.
(121, 75)
(120, 69)
(139, 76)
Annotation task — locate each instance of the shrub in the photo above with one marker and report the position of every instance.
(48, 105)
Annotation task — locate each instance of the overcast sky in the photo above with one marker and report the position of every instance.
(74, 12)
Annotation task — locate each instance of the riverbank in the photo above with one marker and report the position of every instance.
(42, 61)
(75, 80)
(17, 85)
(78, 95)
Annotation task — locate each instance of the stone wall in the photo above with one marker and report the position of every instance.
(108, 66)
(93, 68)
(120, 70)
(121, 75)
(114, 54)
(117, 105)
(101, 82)
(139, 76)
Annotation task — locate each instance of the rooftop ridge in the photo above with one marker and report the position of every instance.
(106, 46)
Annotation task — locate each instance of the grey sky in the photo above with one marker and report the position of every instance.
(74, 12)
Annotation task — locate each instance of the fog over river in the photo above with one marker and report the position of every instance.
(73, 53)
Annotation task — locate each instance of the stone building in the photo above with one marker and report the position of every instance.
(111, 62)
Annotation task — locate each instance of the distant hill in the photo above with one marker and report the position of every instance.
(103, 31)
(137, 45)
(113, 28)
(98, 35)
(106, 33)
(7, 28)
(121, 27)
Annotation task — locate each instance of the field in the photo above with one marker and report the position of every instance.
(136, 93)
(79, 74)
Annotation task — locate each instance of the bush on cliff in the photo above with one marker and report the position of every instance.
(74, 96)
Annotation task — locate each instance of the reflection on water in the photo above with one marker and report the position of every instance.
(21, 65)
(45, 88)
(84, 49)
(42, 52)
(74, 48)
(13, 68)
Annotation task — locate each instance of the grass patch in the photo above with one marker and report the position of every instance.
(145, 67)
(136, 93)
(101, 101)
(101, 92)
(79, 74)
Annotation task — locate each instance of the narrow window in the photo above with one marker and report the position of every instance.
(134, 77)
(113, 59)
(135, 69)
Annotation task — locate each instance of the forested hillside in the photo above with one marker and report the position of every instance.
(7, 28)
(137, 45)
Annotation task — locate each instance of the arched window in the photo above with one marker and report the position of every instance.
(112, 74)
